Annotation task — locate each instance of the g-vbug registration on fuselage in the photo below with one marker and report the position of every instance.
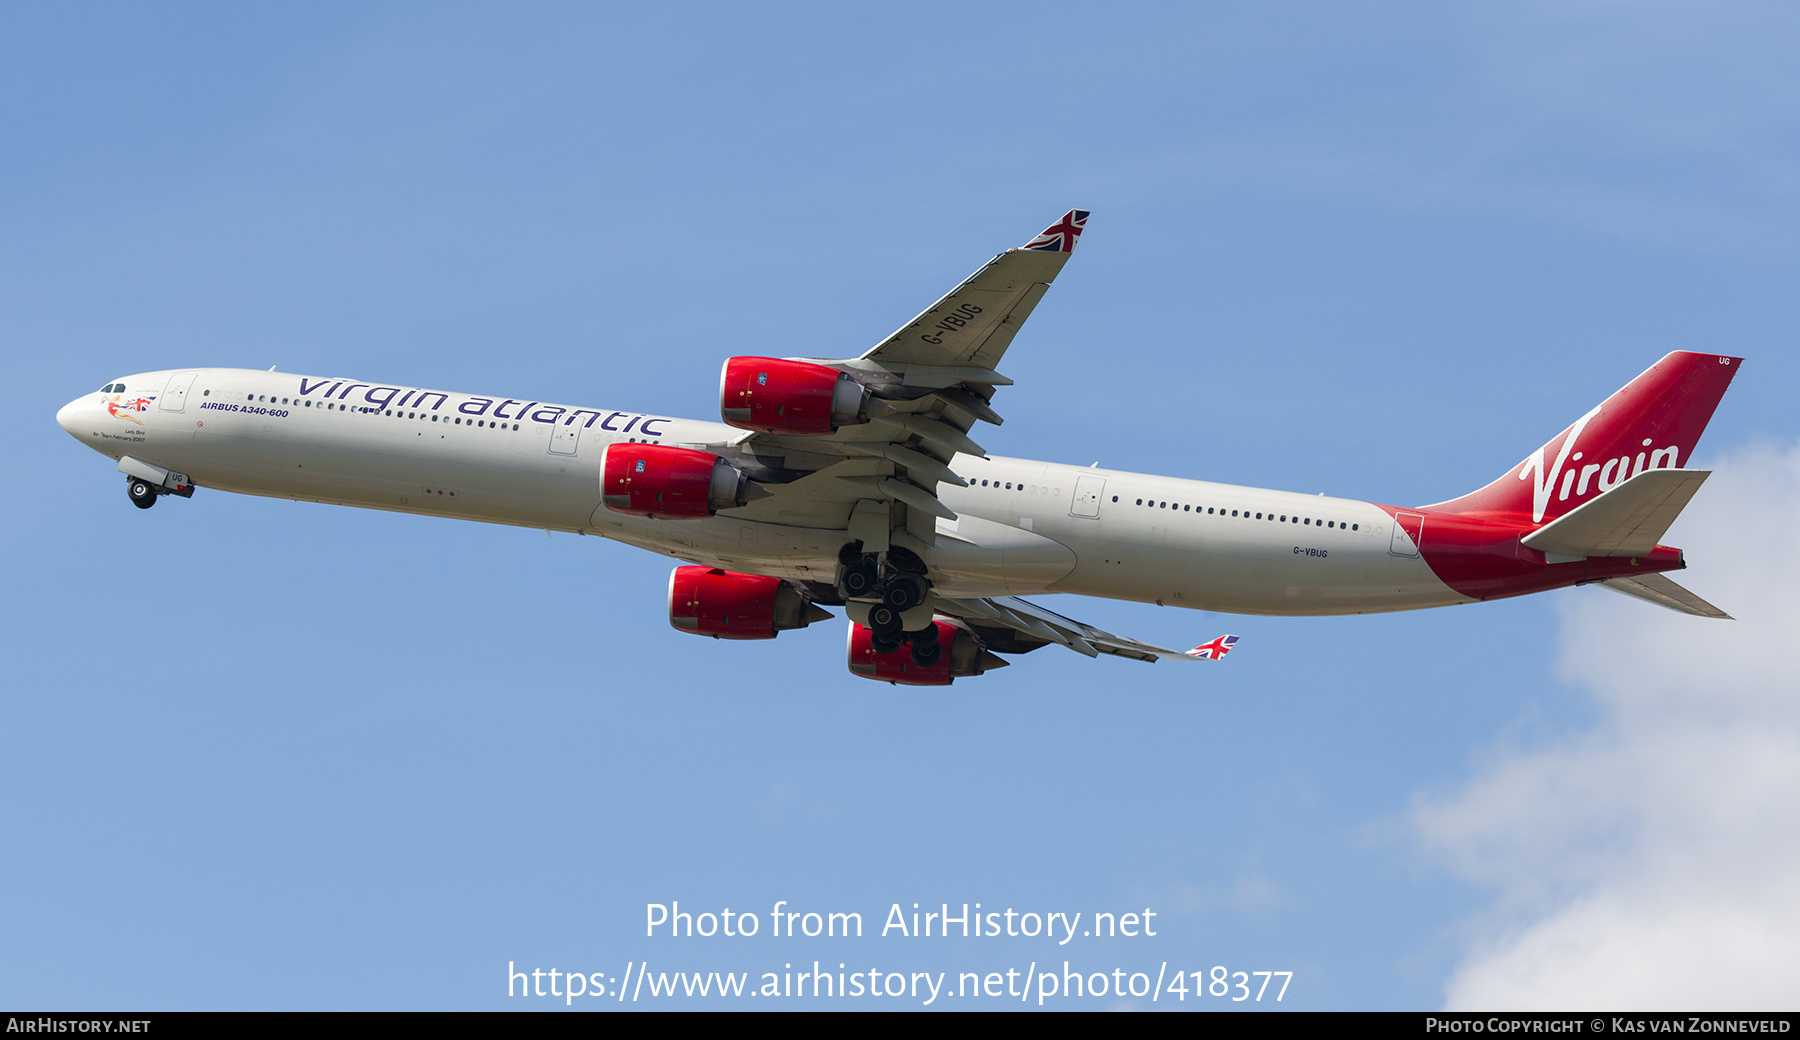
(858, 482)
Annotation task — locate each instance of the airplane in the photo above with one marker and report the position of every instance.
(858, 483)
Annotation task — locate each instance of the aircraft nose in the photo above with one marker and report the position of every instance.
(69, 415)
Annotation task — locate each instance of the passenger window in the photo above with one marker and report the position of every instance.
(1115, 498)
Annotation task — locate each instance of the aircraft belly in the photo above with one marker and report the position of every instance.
(800, 553)
(399, 467)
(975, 556)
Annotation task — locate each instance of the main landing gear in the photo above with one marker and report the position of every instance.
(896, 582)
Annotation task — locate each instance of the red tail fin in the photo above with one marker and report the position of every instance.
(1653, 423)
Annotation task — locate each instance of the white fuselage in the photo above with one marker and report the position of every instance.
(1023, 527)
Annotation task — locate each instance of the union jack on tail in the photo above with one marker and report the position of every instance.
(1215, 650)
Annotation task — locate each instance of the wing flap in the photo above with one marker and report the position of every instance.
(1050, 627)
(1629, 520)
(1664, 593)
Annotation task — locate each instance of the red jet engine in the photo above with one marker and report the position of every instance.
(657, 480)
(724, 604)
(962, 656)
(758, 393)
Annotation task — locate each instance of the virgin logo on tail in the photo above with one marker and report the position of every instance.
(1602, 476)
(1546, 482)
(1653, 422)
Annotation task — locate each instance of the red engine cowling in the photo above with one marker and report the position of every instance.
(657, 480)
(724, 604)
(962, 656)
(757, 393)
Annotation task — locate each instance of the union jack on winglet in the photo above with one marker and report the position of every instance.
(1060, 237)
(1215, 650)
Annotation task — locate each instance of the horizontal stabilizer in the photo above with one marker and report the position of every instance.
(1665, 593)
(1629, 520)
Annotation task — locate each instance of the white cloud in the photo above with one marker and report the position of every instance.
(1654, 862)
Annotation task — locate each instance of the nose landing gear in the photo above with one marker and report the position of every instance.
(142, 492)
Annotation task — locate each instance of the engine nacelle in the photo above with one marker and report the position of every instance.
(724, 604)
(757, 393)
(657, 480)
(962, 655)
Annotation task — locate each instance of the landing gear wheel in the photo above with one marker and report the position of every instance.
(857, 580)
(884, 622)
(904, 591)
(926, 656)
(142, 492)
(924, 637)
(883, 645)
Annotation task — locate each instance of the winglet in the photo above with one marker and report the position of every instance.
(1060, 237)
(1215, 650)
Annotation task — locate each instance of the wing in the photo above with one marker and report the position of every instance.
(1009, 624)
(930, 382)
(974, 323)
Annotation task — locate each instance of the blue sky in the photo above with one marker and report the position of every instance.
(269, 755)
